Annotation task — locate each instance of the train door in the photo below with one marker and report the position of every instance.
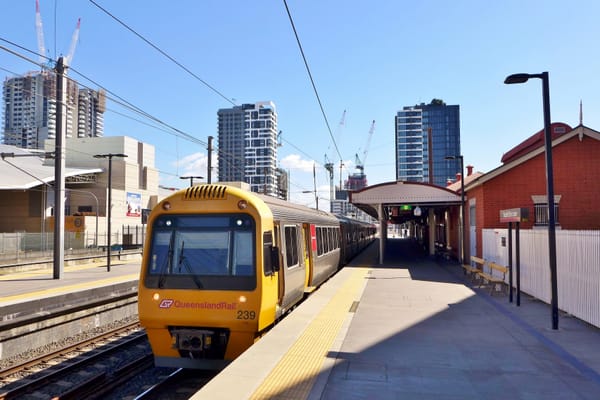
(309, 236)
(293, 264)
(281, 275)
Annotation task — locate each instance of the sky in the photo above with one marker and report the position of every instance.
(367, 60)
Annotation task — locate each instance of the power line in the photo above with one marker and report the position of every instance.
(162, 52)
(311, 79)
(223, 155)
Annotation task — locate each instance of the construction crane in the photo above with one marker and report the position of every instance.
(74, 40)
(360, 165)
(329, 164)
(341, 125)
(40, 33)
(40, 38)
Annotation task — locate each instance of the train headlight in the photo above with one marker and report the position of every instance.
(155, 296)
(242, 299)
(166, 206)
(242, 204)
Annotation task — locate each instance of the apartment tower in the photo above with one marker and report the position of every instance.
(247, 146)
(425, 135)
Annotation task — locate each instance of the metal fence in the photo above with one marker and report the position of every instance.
(577, 262)
(18, 247)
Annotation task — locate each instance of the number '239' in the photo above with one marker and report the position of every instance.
(243, 314)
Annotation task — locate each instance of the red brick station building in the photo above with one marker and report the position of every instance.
(520, 182)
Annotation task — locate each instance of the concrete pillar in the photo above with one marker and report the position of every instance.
(431, 222)
(383, 225)
(447, 227)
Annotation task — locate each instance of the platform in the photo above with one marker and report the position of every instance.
(414, 328)
(36, 291)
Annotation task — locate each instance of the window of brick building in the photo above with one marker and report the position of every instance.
(540, 210)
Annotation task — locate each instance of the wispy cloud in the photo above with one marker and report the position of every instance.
(196, 164)
(295, 162)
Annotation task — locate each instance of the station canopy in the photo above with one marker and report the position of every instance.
(397, 201)
(22, 169)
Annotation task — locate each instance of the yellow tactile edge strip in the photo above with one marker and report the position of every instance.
(49, 270)
(66, 289)
(294, 376)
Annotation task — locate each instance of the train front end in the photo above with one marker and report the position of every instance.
(203, 293)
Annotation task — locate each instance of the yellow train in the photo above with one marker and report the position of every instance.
(221, 265)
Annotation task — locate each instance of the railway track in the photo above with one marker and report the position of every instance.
(181, 384)
(88, 369)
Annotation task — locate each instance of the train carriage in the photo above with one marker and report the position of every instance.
(221, 265)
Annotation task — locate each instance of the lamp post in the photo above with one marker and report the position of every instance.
(462, 205)
(316, 197)
(522, 78)
(110, 157)
(191, 178)
(314, 187)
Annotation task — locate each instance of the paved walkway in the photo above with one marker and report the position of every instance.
(421, 332)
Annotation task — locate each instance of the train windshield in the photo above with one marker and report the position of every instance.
(202, 252)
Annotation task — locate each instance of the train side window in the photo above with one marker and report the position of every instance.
(291, 246)
(319, 242)
(270, 255)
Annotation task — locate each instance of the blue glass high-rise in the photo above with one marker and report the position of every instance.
(425, 135)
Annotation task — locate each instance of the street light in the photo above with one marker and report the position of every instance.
(462, 205)
(316, 197)
(522, 78)
(191, 178)
(110, 157)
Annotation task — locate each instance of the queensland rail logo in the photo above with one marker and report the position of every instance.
(205, 305)
(166, 303)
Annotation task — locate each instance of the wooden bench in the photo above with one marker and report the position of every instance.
(474, 268)
(492, 273)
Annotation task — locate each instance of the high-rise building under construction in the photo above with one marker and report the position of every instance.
(30, 110)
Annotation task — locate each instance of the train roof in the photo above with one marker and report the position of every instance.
(286, 210)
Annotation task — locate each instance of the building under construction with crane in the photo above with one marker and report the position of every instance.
(358, 180)
(30, 102)
(355, 181)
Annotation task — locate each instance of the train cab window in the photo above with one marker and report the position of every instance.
(202, 252)
(243, 264)
(291, 246)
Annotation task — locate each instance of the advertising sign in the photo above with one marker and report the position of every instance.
(134, 204)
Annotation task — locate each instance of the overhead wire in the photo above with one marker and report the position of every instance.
(117, 99)
(128, 105)
(164, 53)
(312, 81)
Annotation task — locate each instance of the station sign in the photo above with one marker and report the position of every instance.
(514, 215)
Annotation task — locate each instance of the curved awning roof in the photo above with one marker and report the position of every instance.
(402, 193)
(21, 169)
